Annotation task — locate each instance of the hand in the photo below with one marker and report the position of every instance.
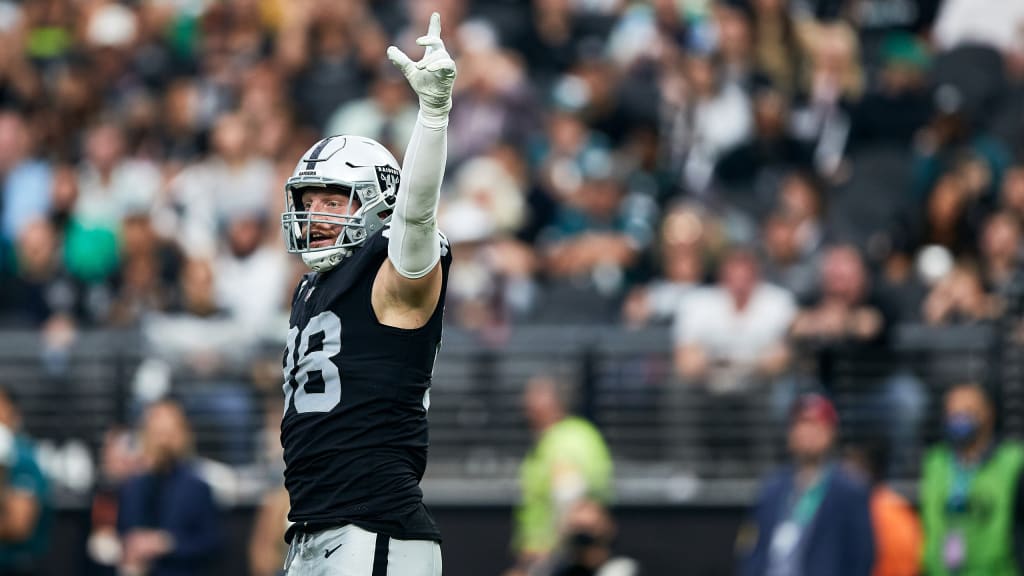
(432, 77)
(144, 546)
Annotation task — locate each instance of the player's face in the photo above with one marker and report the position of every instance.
(324, 234)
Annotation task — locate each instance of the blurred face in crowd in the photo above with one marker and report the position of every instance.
(37, 249)
(734, 38)
(770, 113)
(600, 198)
(739, 276)
(566, 133)
(799, 198)
(969, 418)
(13, 140)
(10, 418)
(105, 146)
(1013, 191)
(945, 204)
(780, 239)
(843, 275)
(1000, 240)
(701, 74)
(181, 106)
(542, 403)
(245, 234)
(229, 137)
(588, 534)
(811, 438)
(65, 189)
(166, 437)
(682, 247)
(119, 455)
(197, 288)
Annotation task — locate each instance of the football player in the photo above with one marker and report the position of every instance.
(364, 332)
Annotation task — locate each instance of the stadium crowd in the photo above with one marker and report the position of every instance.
(760, 175)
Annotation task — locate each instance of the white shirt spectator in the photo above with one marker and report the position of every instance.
(266, 268)
(995, 23)
(708, 318)
(133, 187)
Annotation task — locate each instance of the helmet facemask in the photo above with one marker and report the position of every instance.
(372, 180)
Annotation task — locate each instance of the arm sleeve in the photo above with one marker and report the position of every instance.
(414, 248)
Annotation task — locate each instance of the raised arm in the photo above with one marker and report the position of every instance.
(409, 280)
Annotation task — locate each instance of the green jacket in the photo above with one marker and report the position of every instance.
(985, 522)
(570, 451)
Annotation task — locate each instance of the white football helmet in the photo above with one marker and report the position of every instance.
(359, 167)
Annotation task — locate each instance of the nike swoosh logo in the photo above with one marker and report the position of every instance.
(327, 553)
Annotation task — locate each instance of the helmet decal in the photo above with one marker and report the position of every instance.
(388, 179)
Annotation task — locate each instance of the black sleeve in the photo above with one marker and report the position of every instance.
(1018, 521)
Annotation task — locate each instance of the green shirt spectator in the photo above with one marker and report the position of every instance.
(969, 493)
(569, 462)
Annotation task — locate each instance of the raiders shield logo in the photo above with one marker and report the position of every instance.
(388, 178)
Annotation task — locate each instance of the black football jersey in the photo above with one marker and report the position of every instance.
(356, 397)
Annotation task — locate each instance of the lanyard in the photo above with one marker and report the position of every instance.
(963, 477)
(809, 501)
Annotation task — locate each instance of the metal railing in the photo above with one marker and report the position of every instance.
(658, 428)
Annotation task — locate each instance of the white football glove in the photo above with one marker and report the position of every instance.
(432, 77)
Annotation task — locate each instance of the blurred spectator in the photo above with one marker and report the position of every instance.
(971, 492)
(963, 22)
(735, 40)
(593, 243)
(119, 462)
(847, 324)
(959, 298)
(703, 115)
(166, 516)
(899, 106)
(834, 81)
(731, 342)
(40, 288)
(569, 462)
(899, 540)
(754, 168)
(267, 546)
(685, 233)
(844, 311)
(149, 272)
(494, 283)
(786, 263)
(491, 102)
(387, 115)
(110, 183)
(733, 334)
(811, 517)
(948, 221)
(233, 179)
(25, 192)
(954, 142)
(25, 494)
(1012, 194)
(800, 198)
(586, 546)
(250, 261)
(1000, 247)
(777, 48)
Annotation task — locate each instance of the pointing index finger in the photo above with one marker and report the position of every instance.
(434, 30)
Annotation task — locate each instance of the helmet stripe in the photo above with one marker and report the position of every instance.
(315, 154)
